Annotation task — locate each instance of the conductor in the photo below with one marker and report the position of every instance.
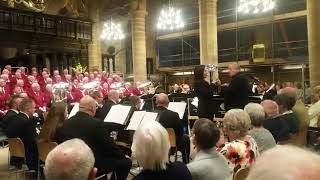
(237, 92)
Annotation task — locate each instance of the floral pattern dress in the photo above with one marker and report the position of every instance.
(239, 154)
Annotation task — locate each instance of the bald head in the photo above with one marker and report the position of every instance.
(234, 69)
(290, 91)
(271, 108)
(71, 160)
(162, 100)
(88, 105)
(286, 163)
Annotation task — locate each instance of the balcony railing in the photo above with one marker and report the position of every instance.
(27, 21)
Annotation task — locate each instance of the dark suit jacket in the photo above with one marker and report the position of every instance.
(101, 113)
(236, 94)
(206, 105)
(89, 129)
(278, 128)
(170, 119)
(6, 118)
(22, 127)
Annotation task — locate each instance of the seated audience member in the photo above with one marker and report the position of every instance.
(21, 126)
(151, 148)
(286, 163)
(262, 136)
(208, 164)
(170, 119)
(113, 99)
(13, 104)
(301, 112)
(71, 160)
(275, 124)
(285, 104)
(314, 110)
(55, 118)
(135, 102)
(108, 156)
(242, 150)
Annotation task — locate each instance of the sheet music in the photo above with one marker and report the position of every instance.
(118, 114)
(178, 107)
(148, 117)
(136, 120)
(74, 110)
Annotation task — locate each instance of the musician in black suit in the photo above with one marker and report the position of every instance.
(204, 90)
(20, 126)
(13, 104)
(236, 94)
(170, 119)
(113, 99)
(83, 126)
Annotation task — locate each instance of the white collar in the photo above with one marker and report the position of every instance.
(14, 110)
(287, 112)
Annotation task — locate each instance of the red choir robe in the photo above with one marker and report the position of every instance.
(47, 95)
(127, 92)
(38, 98)
(75, 95)
(137, 92)
(4, 96)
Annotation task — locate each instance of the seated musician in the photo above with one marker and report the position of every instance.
(108, 156)
(170, 119)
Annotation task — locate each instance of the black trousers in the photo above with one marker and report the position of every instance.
(184, 148)
(121, 167)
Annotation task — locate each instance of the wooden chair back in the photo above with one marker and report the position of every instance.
(16, 147)
(241, 174)
(44, 148)
(172, 137)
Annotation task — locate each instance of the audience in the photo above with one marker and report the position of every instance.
(170, 119)
(276, 125)
(13, 104)
(71, 160)
(286, 163)
(314, 110)
(262, 136)
(151, 148)
(208, 164)
(285, 104)
(109, 157)
(21, 126)
(55, 118)
(242, 150)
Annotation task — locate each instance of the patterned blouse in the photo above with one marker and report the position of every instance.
(240, 154)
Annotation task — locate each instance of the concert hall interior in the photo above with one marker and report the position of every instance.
(159, 89)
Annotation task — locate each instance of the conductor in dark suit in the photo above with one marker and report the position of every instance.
(21, 126)
(204, 90)
(13, 103)
(108, 156)
(170, 119)
(237, 92)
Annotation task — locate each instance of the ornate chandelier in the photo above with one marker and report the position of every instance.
(112, 31)
(170, 18)
(255, 6)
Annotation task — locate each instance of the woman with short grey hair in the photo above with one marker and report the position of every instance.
(262, 136)
(151, 149)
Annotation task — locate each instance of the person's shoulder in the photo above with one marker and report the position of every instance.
(179, 170)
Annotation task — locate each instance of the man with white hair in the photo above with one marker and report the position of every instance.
(71, 160)
(4, 95)
(83, 125)
(36, 94)
(286, 163)
(237, 92)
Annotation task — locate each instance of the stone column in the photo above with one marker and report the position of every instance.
(139, 41)
(94, 48)
(208, 32)
(313, 14)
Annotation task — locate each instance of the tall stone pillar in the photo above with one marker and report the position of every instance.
(313, 14)
(139, 54)
(208, 32)
(94, 48)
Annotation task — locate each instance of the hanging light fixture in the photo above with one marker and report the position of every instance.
(170, 18)
(112, 31)
(255, 6)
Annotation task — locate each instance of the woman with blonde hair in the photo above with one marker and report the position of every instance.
(55, 118)
(241, 151)
(151, 149)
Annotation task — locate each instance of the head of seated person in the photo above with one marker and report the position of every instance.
(205, 134)
(236, 124)
(285, 102)
(71, 160)
(135, 101)
(271, 108)
(151, 146)
(113, 96)
(162, 100)
(284, 163)
(256, 113)
(88, 105)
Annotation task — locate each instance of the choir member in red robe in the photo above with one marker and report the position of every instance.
(4, 95)
(37, 96)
